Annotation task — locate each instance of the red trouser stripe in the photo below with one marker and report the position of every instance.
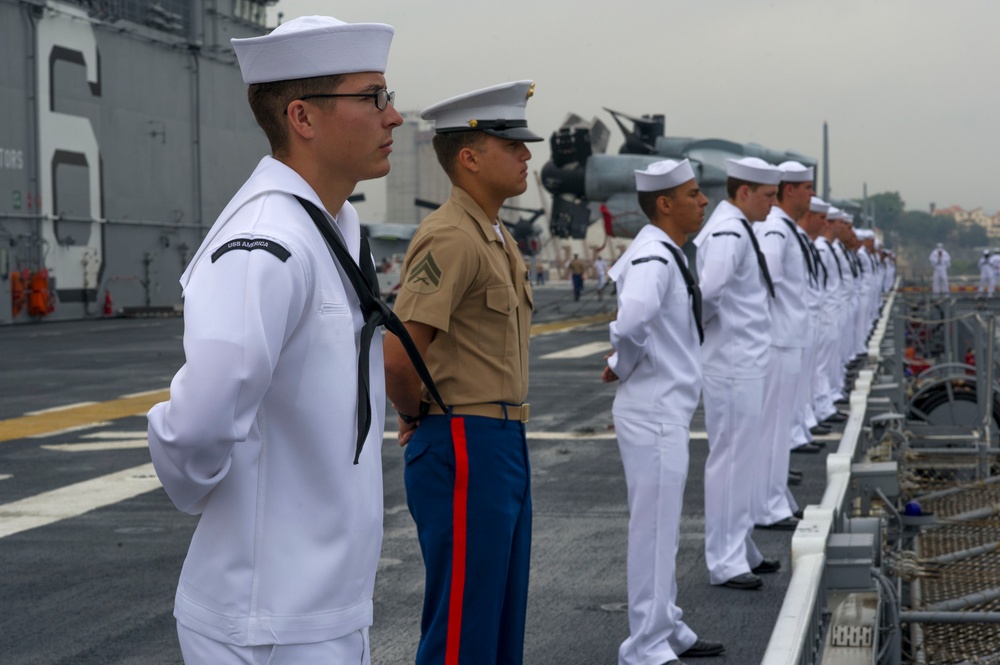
(452, 648)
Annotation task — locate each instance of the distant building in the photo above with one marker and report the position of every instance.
(991, 223)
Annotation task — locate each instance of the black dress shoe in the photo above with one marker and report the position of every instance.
(766, 566)
(836, 419)
(819, 430)
(797, 472)
(807, 448)
(704, 649)
(744, 582)
(794, 480)
(673, 662)
(787, 524)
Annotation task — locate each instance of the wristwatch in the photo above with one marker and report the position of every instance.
(409, 420)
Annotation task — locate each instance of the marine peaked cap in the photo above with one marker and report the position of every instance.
(497, 110)
(311, 46)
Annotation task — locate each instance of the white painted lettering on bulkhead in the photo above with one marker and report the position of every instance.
(11, 159)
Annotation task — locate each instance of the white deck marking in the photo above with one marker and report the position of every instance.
(567, 436)
(5, 476)
(67, 430)
(137, 434)
(124, 444)
(142, 393)
(55, 409)
(106, 441)
(582, 351)
(75, 500)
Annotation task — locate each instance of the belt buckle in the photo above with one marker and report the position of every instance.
(525, 410)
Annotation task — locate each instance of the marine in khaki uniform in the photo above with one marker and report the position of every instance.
(466, 300)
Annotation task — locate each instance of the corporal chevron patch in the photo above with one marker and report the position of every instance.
(425, 275)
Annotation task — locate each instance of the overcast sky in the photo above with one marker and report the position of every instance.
(910, 88)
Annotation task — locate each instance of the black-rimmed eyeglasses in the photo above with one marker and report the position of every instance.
(382, 97)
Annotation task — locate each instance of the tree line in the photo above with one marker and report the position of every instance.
(912, 234)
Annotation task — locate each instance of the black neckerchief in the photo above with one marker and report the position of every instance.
(761, 261)
(693, 291)
(376, 313)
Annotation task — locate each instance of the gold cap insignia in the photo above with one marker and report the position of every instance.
(473, 123)
(531, 91)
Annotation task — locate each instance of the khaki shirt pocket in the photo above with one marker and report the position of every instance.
(496, 333)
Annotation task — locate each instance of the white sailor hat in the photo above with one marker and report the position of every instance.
(497, 110)
(833, 214)
(753, 169)
(816, 204)
(792, 171)
(665, 174)
(311, 46)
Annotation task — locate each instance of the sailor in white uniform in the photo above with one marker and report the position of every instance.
(852, 284)
(829, 362)
(736, 288)
(994, 263)
(785, 389)
(657, 361)
(263, 433)
(806, 419)
(940, 260)
(826, 303)
(987, 276)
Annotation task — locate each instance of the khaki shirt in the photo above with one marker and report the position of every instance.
(460, 279)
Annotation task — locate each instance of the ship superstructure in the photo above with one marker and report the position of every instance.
(125, 131)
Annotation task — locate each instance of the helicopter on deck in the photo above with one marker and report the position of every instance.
(588, 185)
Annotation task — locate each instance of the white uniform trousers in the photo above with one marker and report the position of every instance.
(987, 280)
(771, 495)
(862, 324)
(200, 650)
(827, 390)
(803, 419)
(733, 412)
(940, 284)
(655, 457)
(847, 334)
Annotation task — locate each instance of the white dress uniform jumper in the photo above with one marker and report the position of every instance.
(260, 430)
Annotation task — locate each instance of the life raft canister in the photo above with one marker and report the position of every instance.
(40, 299)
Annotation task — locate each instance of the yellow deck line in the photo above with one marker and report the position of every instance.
(140, 403)
(25, 426)
(556, 326)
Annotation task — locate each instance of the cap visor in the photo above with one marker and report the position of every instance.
(515, 134)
